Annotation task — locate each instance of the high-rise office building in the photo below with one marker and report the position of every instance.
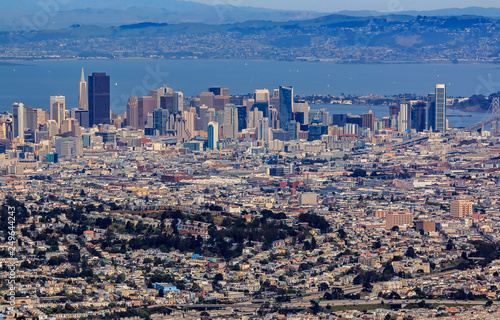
(145, 106)
(133, 112)
(440, 108)
(263, 107)
(303, 106)
(293, 129)
(420, 116)
(404, 117)
(31, 116)
(285, 106)
(18, 120)
(178, 101)
(220, 102)
(167, 102)
(188, 117)
(431, 111)
(219, 91)
(82, 116)
(99, 98)
(323, 116)
(339, 119)
(230, 125)
(263, 130)
(253, 118)
(160, 92)
(58, 108)
(461, 208)
(368, 120)
(213, 135)
(242, 118)
(160, 118)
(354, 119)
(70, 126)
(261, 95)
(351, 128)
(83, 102)
(393, 110)
(207, 98)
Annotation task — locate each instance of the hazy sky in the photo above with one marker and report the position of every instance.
(377, 5)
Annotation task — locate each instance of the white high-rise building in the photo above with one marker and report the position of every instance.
(213, 135)
(254, 117)
(263, 130)
(58, 108)
(261, 95)
(351, 128)
(18, 120)
(83, 102)
(404, 117)
(230, 125)
(178, 101)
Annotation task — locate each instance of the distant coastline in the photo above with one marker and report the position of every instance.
(318, 60)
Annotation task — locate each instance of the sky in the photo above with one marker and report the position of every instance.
(339, 5)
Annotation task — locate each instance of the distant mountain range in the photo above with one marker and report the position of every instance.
(470, 11)
(25, 14)
(32, 14)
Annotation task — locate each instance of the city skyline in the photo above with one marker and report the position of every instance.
(227, 161)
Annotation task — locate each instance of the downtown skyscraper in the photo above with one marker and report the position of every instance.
(18, 120)
(285, 106)
(99, 98)
(58, 109)
(436, 109)
(440, 108)
(213, 135)
(83, 103)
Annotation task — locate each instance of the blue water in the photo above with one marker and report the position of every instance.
(33, 83)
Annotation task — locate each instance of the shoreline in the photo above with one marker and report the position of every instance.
(318, 60)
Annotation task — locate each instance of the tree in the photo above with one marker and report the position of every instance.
(315, 308)
(161, 293)
(410, 253)
(359, 173)
(449, 245)
(120, 278)
(367, 286)
(314, 244)
(342, 234)
(219, 277)
(73, 254)
(323, 286)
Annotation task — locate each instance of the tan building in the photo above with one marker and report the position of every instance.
(427, 226)
(460, 208)
(308, 198)
(398, 219)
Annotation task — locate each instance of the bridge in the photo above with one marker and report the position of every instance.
(493, 115)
